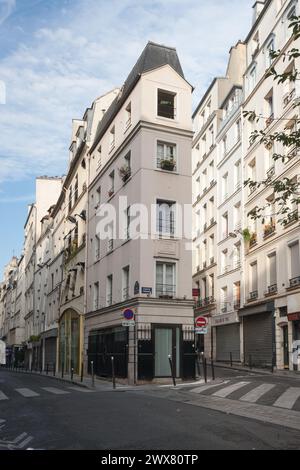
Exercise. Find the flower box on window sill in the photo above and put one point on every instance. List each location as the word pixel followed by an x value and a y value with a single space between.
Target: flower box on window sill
pixel 111 192
pixel 125 173
pixel 168 165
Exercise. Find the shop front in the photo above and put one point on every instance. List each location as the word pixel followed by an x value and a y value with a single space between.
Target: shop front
pixel 294 318
pixel 227 334
pixel 70 341
pixel 259 335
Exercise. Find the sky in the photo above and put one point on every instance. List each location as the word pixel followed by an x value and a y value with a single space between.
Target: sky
pixel 57 56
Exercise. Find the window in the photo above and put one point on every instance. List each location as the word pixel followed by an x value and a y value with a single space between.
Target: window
pixel 112 138
pixel 98 197
pixel 166 104
pixel 224 147
pixel 237 216
pixel 225 225
pixel 204 180
pixel 291 13
pixel 253 277
pixel 211 169
pixel 252 78
pixel 294 260
pixel 269 107
pixel 166 218
pixel 128 116
pixel 237 294
pixel 97 247
pixel 110 241
pixel 212 136
pixel 224 261
pixel 99 164
pixel 252 174
pixel 112 183
pixel 211 249
pixel 165 280
pixel 237 255
pixel 70 199
pixel 109 290
pixel 128 219
pixel 204 288
pixel 237 175
pixel 225 187
pixel 126 283
pixel 269 49
pixel 96 296
pixel 125 170
pixel 166 156
pixel 238 130
pixel 272 268
pixel 224 299
pixel 76 189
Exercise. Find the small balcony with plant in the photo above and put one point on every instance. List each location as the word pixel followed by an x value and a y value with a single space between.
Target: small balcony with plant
pixel 250 237
pixel 125 173
pixel 269 229
pixel 166 164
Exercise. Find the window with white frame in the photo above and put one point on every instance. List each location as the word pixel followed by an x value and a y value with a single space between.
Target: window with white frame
pixel 238 175
pixel 165 217
pixel 272 270
pixel 125 277
pixel 165 279
pixel 112 137
pixel 294 263
pixel 237 255
pixel 97 247
pixel 96 296
pixel 224 299
pixel 109 290
pixel 166 156
pixel 225 187
pixel 270 47
pixel 253 277
pixel 252 78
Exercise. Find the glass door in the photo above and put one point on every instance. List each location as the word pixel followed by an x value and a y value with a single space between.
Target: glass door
pixel 167 344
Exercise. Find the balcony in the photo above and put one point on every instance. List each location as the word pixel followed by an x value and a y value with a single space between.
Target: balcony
pixel 292 154
pixel 125 173
pixel 288 97
pixel 270 120
pixel 204 266
pixel 291 218
pixel 253 240
pixel 295 282
pixel 110 245
pixel 237 304
pixel 272 290
pixel 237 264
pixel 212 260
pixel 109 300
pixel 224 308
pixel 253 296
pixel 126 293
pixel 205 302
pixel 269 230
pixel 165 291
pixel 271 172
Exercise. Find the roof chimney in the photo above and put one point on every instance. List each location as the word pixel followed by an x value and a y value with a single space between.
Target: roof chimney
pixel 257 9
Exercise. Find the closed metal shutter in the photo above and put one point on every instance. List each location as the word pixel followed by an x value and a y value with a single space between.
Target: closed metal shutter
pixel 258 339
pixel 228 341
pixel 50 352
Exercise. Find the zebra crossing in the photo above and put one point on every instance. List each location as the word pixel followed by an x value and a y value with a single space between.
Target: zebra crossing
pixel 267 393
pixel 40 392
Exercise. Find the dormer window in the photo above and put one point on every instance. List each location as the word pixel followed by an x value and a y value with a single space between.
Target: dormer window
pixel 112 138
pixel 166 104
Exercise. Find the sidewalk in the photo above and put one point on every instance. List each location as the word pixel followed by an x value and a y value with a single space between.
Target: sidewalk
pixel 277 373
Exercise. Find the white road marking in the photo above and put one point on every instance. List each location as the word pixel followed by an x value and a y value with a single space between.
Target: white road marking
pixel 208 387
pixel 288 399
pixel 224 392
pixel 56 391
pixel 257 393
pixel 81 389
pixel 26 392
pixel 3 397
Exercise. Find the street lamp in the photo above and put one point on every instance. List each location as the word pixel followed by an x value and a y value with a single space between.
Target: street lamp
pixel 72 219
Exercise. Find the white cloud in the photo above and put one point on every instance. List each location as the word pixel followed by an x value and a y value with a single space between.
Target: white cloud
pixel 91 49
pixel 6 9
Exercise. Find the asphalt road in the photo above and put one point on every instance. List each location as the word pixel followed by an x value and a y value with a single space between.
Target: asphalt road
pixel 42 413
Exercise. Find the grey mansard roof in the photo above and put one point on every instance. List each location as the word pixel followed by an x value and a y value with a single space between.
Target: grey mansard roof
pixel 152 57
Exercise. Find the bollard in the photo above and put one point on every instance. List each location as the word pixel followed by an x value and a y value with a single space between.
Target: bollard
pixel 205 369
pixel 47 369
pixel 231 361
pixel 172 371
pixel 213 370
pixel 62 370
pixel 54 369
pixel 198 365
pixel 93 376
pixel 72 373
pixel 81 378
pixel 250 361
pixel 113 372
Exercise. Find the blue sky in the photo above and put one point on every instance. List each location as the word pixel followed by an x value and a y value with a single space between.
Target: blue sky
pixel 57 56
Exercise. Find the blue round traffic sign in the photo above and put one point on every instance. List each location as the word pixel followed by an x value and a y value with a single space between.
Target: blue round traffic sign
pixel 128 314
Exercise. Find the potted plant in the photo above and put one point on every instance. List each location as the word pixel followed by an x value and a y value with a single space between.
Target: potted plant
pixel 168 165
pixel 125 172
pixel 246 235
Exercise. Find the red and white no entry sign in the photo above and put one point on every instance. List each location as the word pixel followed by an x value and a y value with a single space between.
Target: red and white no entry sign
pixel 201 322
